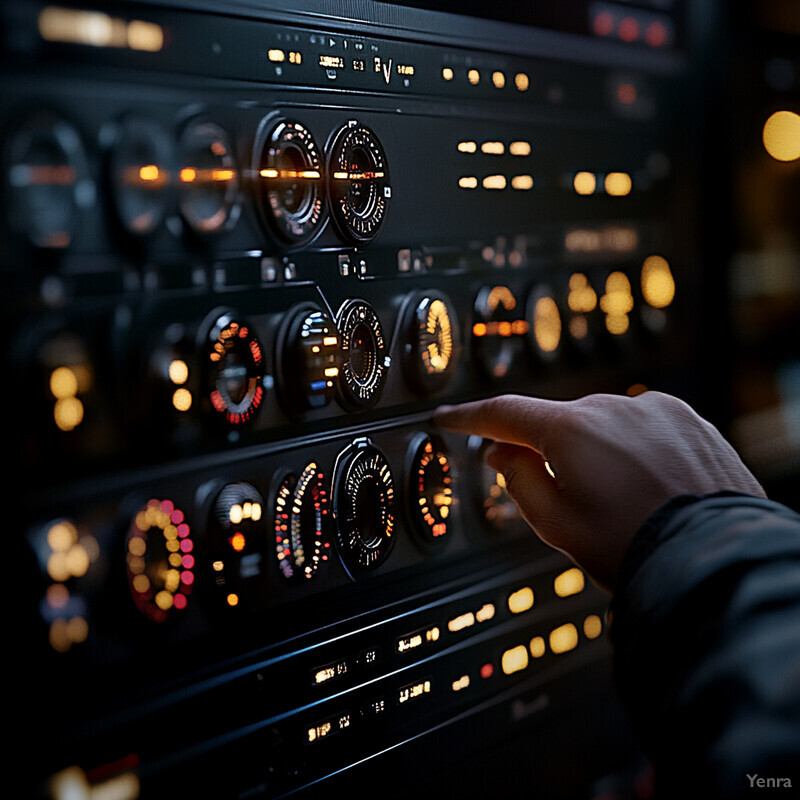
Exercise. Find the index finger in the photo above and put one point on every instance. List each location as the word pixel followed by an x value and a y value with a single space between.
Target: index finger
pixel 508 418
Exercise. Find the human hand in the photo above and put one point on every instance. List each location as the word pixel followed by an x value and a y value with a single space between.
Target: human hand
pixel 614 459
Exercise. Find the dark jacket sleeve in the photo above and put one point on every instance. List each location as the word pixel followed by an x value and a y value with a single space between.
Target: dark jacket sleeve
pixel 705 622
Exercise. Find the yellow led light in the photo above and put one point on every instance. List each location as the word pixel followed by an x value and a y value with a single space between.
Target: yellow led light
pixel 569 583
pixel 467 147
pixel 522 82
pixel 564 638
pixel 521 600
pixel 461 622
pixel 474 77
pixel 537 647
pixel 514 660
pixel 781 136
pixel 658 285
pixel 447 73
pixel 182 399
pixel 63 383
pixel 592 626
pixel 618 184
pixel 584 183
pixel 178 371
pixel 520 148
pixel 498 79
pixel 493 148
pixel 276 55
pixel 68 413
pixel 485 612
pixel 522 183
pixel 461 683
pixel 547 324
pixel 468 182
pixel 494 182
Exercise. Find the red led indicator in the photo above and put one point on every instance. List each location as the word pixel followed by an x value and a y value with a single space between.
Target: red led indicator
pixel 487 670
pixel 628 30
pixel 603 23
pixel 657 34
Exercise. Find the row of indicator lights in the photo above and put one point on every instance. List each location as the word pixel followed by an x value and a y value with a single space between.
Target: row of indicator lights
pixel 560 640
pixel 629 28
pixel 521 183
pixel 498 78
pixel 495 148
pixel 98 29
pixel 615 184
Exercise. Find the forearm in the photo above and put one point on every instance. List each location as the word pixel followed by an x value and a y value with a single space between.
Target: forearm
pixel 706 627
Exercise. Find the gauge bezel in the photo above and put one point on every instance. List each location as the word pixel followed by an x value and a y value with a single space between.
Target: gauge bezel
pixel 241 413
pixel 230 206
pixel 353 392
pixel 358 556
pixel 357 226
pixel 301 226
pixel 289 362
pixel 420 525
pixel 415 317
pixel 165 158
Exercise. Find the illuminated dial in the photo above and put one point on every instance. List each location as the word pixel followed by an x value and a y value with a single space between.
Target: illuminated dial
pixel 493 502
pixel 290 186
pixel 363 506
pixel 160 559
pixel 302 538
pixel 236 368
pixel 497 329
pixel 208 180
pixel 432 347
pixel 308 358
pixel 359 182
pixel 430 490
pixel 46 178
pixel 365 362
pixel 238 533
pixel 544 323
pixel 141 175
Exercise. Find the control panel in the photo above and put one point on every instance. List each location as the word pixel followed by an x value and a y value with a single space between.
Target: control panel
pixel 247 251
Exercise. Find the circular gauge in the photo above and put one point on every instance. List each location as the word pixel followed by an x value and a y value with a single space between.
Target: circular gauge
pixel 208 180
pixel 544 323
pixel 46 176
pixel 365 362
pixel 302 539
pixel 432 347
pixel 238 533
pixel 363 506
pixel 308 358
pixel 290 187
pixel 497 329
pixel 160 560
pixel 236 366
pixel 358 182
pixel 493 503
pixel 141 174
pixel 430 491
